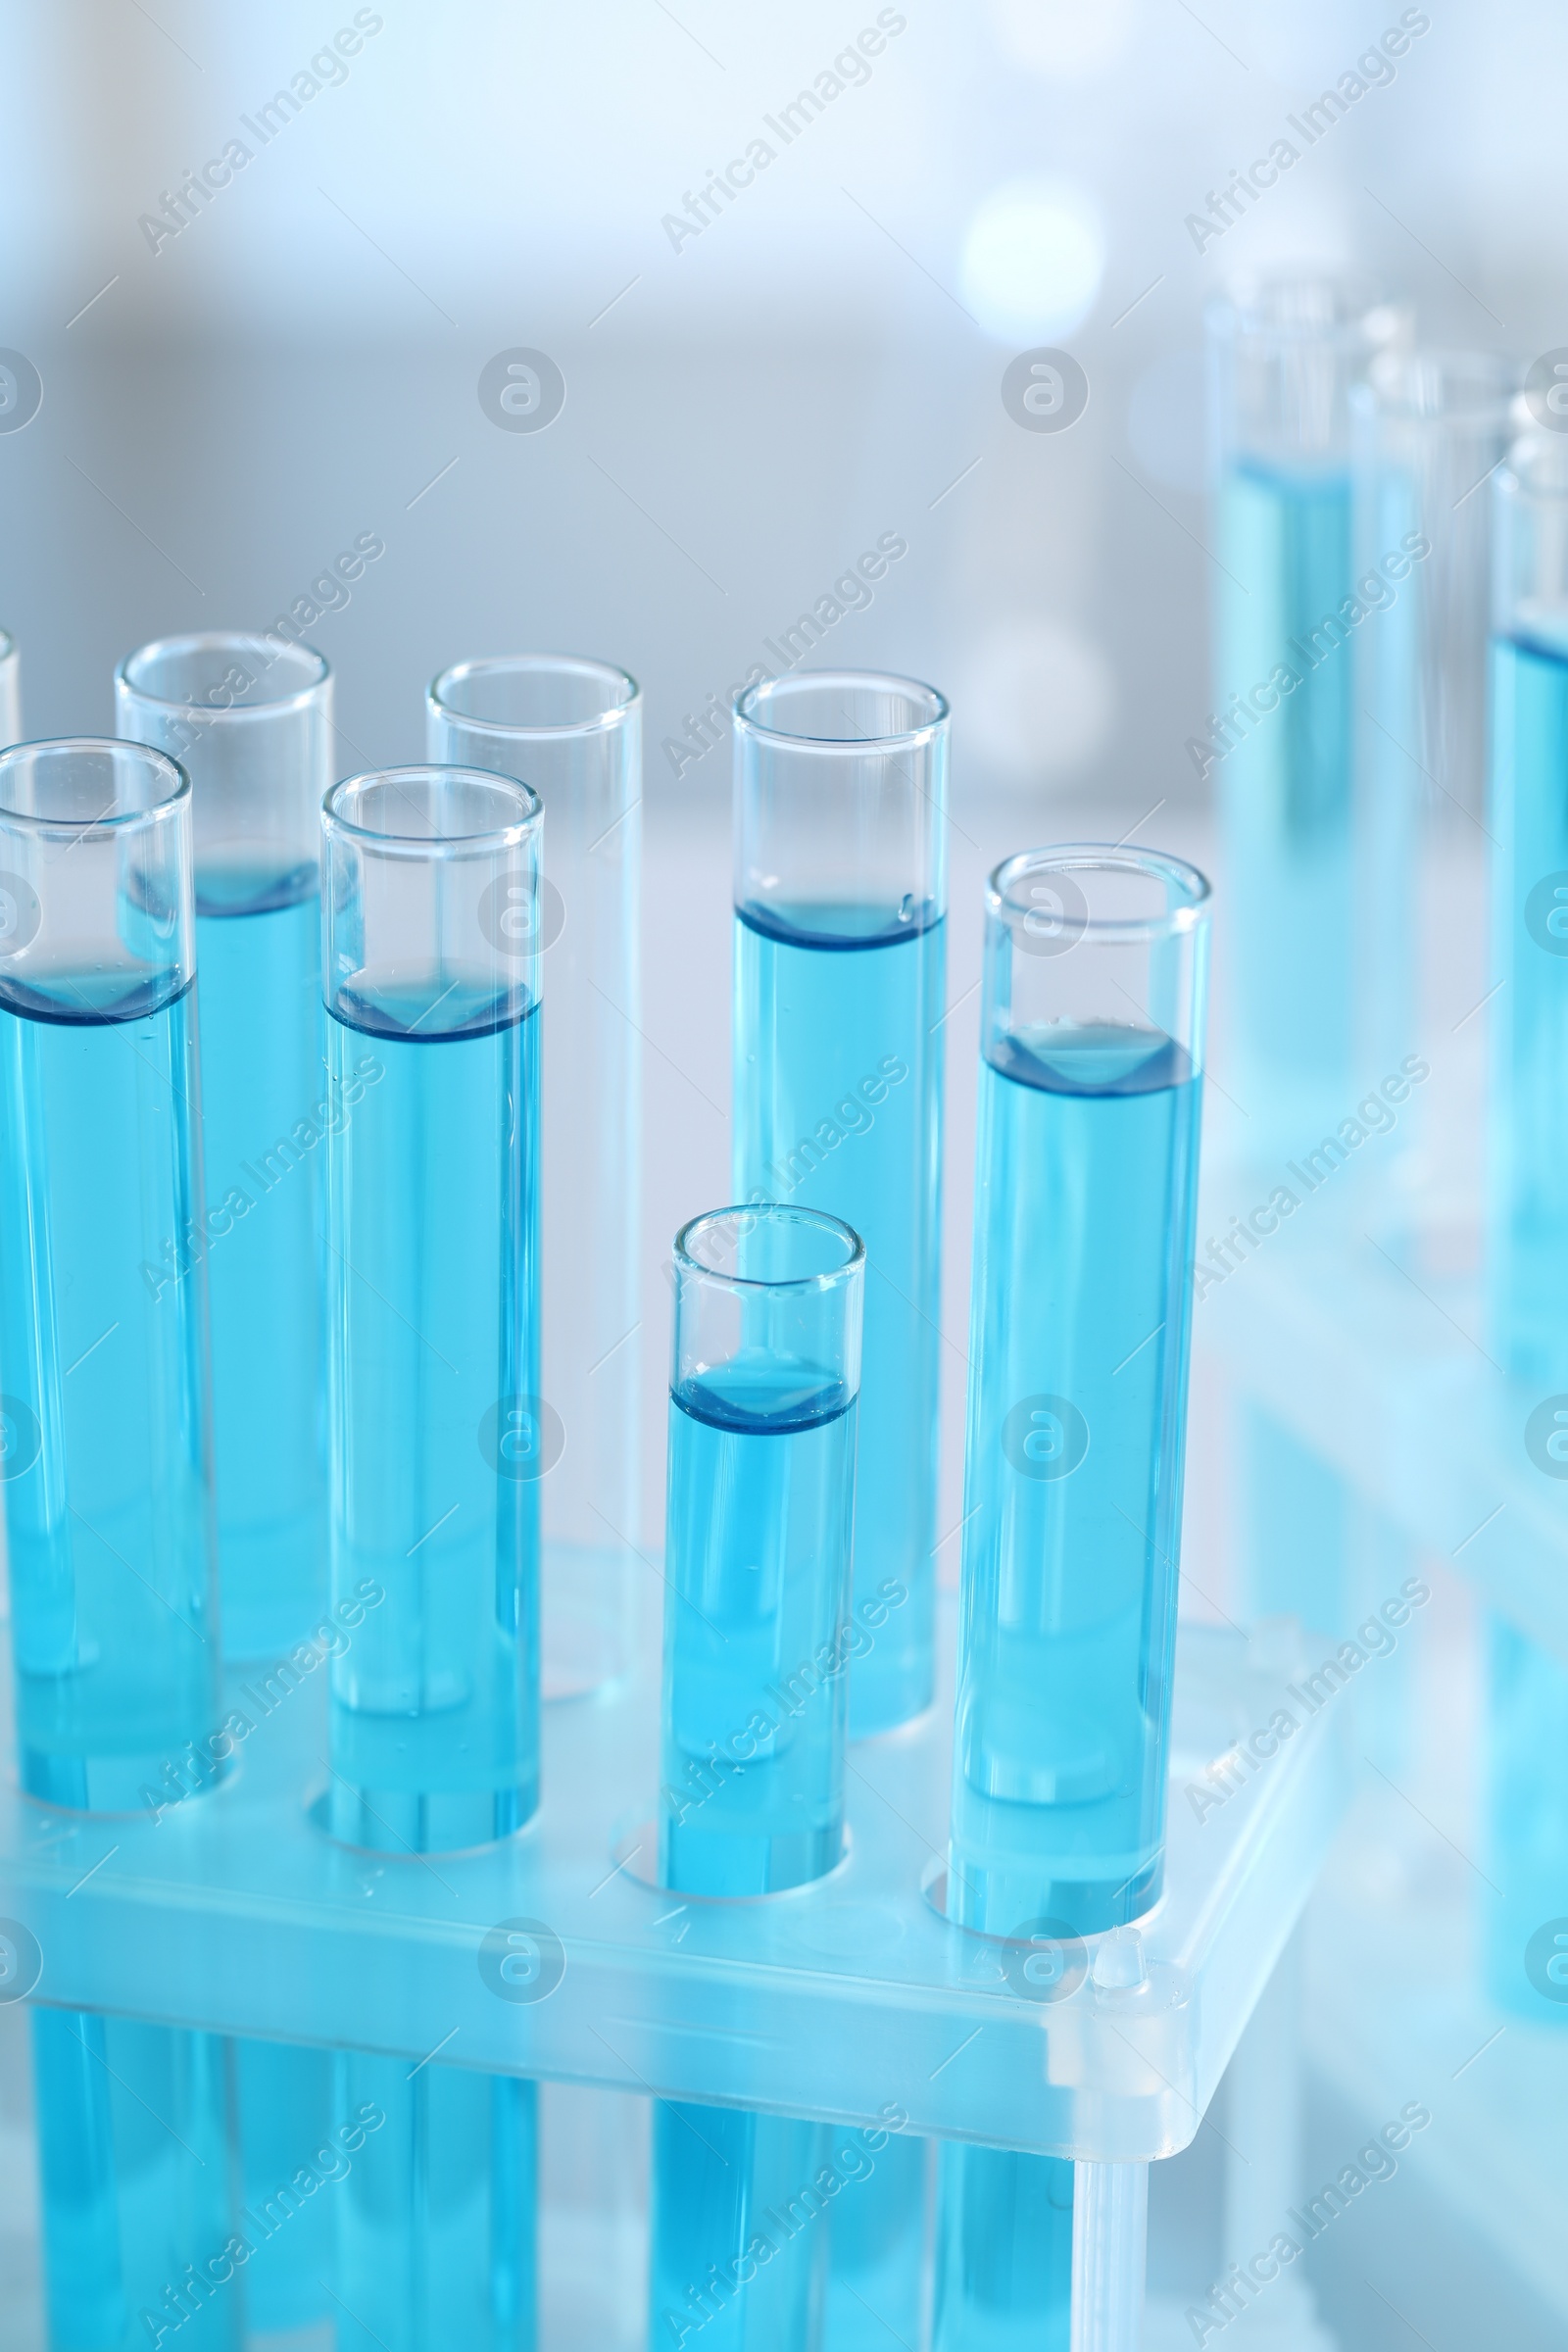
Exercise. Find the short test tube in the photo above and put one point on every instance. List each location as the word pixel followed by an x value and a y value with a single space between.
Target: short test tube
pixel 840 989
pixel 251 720
pixel 764 1375
pixel 572 729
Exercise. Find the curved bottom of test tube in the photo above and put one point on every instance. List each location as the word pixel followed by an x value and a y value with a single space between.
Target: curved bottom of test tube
pixel 424 1822
pixel 1008 1897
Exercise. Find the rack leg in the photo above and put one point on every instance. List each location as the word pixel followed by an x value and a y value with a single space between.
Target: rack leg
pixel 1109 2251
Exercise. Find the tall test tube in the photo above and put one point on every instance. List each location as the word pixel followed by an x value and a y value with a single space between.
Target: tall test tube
pixel 438 1437
pixel 1528 1175
pixel 572 729
pixel 765 1371
pixel 1092 1046
pixel 840 987
pixel 1281 737
pixel 1091 1030
pixel 251 720
pixel 104 1461
pixel 1428 427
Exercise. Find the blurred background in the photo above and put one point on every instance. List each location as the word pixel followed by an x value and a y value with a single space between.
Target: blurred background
pixel 775 334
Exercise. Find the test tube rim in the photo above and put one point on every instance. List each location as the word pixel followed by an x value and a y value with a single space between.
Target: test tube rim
pixel 840 746
pixel 1501 368
pixel 1077 857
pixel 157 811
pixel 425 847
pixel 614 714
pixel 219 714
pixel 1368 316
pixel 783 1212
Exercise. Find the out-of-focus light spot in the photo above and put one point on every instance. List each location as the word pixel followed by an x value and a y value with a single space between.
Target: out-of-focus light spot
pixel 1033 260
pixel 1037 704
pixel 1166 420
pixel 1063 39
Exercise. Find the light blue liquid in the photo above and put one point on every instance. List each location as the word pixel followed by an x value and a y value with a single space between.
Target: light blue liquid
pixel 1529 1174
pixel 762 1497
pixel 133 2159
pixel 1004 2251
pixel 435 2219
pixel 434 1352
pixel 286 2118
pixel 1524 1941
pixel 1285 793
pixel 740 2230
pixel 761 1485
pixel 876 2271
pixel 266 1111
pixel 1085 1201
pixel 103 1368
pixel 838 1106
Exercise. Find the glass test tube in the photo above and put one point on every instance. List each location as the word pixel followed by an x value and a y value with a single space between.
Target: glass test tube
pixel 1003 2270
pixel 839 988
pixel 1528 1175
pixel 572 729
pixel 107 1490
pixel 437 1436
pixel 10 690
pixel 1429 427
pixel 251 719
pixel 1280 739
pixel 1092 1048
pixel 765 1370
pixel 437 1440
pixel 103 1349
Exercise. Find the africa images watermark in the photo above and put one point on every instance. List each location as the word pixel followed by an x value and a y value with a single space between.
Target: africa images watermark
pixel 703 1777
pixel 773 2228
pixel 850 592
pixel 1244 2283
pixel 1373 1115
pixel 200 1763
pixel 329 1117
pixel 1247 1755
pixel 1310 651
pixel 1373 70
pixel 327 69
pixel 200 2285
pixel 849 69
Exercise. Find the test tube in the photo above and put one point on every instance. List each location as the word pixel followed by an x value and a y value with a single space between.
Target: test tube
pixel 108 1495
pixel 1280 740
pixel 840 989
pixel 438 1439
pixel 1429 427
pixel 1528 1173
pixel 1003 2272
pixel 765 1371
pixel 572 729
pixel 1092 1048
pixel 251 719
pixel 104 1463
pixel 10 690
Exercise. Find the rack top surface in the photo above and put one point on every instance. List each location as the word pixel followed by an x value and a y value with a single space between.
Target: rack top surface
pixel 845 1999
